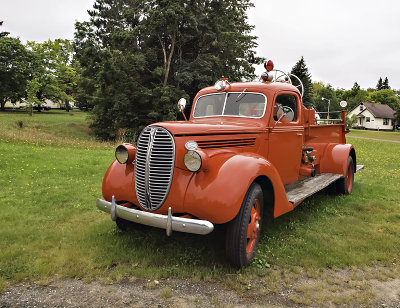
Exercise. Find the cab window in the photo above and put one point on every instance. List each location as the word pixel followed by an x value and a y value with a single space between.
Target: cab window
pixel 286 108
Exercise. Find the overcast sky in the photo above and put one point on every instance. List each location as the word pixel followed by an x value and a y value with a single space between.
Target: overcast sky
pixel 342 41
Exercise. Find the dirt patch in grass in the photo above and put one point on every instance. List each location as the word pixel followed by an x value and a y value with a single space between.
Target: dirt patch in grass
pixel 349 287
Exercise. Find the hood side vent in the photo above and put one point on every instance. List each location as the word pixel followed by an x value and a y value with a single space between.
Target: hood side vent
pixel 226 143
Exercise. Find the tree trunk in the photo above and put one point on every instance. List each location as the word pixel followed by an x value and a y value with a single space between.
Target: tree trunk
pixel 3 104
pixel 167 62
pixel 67 106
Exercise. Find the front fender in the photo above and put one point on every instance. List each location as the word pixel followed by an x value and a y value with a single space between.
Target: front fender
pixel 216 194
pixel 335 158
pixel 119 181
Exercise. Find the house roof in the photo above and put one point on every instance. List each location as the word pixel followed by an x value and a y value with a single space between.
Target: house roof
pixel 379 110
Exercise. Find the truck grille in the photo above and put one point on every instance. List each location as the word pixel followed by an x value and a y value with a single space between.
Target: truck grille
pixel 155 158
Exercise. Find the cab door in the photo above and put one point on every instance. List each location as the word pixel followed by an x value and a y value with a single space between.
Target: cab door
pixel 286 135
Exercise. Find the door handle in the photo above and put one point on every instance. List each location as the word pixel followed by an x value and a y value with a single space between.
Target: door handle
pixel 299 134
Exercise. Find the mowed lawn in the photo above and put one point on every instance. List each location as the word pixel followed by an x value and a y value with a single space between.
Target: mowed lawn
pixel 51 173
pixel 384 135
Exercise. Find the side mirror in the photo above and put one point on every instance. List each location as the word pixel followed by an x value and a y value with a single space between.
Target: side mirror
pixel 181 107
pixel 182 104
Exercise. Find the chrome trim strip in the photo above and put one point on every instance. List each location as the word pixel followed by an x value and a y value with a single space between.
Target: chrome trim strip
pixel 195 226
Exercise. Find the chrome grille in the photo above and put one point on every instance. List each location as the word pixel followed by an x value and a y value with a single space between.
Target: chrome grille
pixel 154 166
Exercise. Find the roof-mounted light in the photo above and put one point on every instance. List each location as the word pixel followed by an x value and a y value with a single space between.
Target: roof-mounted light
pixel 220 85
pixel 269 65
pixel 267 76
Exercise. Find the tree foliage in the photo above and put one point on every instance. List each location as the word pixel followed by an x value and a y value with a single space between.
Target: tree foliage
pixel 139 57
pixel 354 96
pixel 300 70
pixel 54 76
pixel 379 85
pixel 385 84
pixel 386 96
pixel 320 96
pixel 15 70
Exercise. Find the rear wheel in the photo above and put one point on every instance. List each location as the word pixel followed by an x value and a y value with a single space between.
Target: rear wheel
pixel 345 185
pixel 243 232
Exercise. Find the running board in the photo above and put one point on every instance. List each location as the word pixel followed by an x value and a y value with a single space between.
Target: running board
pixel 305 187
pixel 359 167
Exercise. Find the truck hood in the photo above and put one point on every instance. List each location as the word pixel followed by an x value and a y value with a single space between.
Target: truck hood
pixel 214 126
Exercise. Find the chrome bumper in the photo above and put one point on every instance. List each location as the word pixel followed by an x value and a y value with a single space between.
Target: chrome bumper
pixel 167 222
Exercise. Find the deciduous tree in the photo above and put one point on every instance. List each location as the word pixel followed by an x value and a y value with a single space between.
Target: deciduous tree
pixel 15 70
pixel 386 96
pixel 54 76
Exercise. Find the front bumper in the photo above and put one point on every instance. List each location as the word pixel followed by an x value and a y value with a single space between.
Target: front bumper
pixel 167 222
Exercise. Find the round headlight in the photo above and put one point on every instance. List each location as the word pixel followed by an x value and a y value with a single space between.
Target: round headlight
pixel 192 161
pixel 122 154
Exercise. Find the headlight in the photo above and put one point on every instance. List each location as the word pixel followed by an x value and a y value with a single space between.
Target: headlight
pixel 125 153
pixel 192 161
pixel 121 154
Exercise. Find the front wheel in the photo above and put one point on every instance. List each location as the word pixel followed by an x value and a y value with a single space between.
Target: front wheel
pixel 243 232
pixel 345 185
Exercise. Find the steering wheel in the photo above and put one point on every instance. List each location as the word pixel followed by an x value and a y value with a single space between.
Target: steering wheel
pixel 288 112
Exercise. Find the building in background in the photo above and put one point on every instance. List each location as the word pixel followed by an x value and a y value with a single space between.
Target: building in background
pixel 373 116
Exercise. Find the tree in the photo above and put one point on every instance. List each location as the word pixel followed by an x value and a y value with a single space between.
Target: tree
pixel 354 96
pixel 15 70
pixel 379 85
pixel 139 57
pixel 54 77
pixel 396 119
pixel 3 34
pixel 386 96
pixel 321 93
pixel 300 70
pixel 385 84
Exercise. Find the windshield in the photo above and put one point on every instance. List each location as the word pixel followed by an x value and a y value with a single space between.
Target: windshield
pixel 233 104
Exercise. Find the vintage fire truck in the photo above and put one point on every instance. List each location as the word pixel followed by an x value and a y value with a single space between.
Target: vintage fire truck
pixel 247 146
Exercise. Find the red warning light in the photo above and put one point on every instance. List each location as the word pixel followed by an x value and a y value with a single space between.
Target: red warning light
pixel 269 66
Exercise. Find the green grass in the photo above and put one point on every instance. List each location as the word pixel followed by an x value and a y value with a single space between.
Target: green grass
pixel 51 173
pixel 395 135
pixel 336 231
pixel 54 127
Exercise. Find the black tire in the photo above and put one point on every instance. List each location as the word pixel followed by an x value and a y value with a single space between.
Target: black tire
pixel 243 232
pixel 345 185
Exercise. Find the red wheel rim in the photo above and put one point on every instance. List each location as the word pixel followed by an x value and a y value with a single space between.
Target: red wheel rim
pixel 254 227
pixel 349 178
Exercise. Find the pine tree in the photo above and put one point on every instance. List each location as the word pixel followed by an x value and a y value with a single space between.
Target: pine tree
pixel 385 84
pixel 3 34
pixel 139 57
pixel 379 85
pixel 300 70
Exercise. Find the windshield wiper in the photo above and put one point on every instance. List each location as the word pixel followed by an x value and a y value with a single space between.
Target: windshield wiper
pixel 241 93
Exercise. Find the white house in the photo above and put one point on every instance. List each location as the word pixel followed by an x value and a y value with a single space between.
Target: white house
pixel 373 116
pixel 49 103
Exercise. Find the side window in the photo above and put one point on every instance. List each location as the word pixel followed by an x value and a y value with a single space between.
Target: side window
pixel 288 104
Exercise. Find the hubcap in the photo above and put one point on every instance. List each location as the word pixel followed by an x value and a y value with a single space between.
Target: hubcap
pixel 254 226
